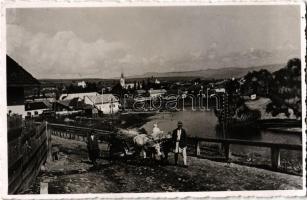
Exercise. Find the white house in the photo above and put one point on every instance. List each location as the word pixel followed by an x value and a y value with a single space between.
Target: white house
pixel 220 90
pixel 81 96
pixel 129 85
pixel 156 93
pixel 82 84
pixel 157 81
pixel 106 103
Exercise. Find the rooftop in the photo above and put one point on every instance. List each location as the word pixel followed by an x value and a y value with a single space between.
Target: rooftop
pixel 17 75
pixel 77 95
pixel 104 98
pixel 37 105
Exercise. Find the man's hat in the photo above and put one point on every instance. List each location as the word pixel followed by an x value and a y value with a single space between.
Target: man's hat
pixel 179 122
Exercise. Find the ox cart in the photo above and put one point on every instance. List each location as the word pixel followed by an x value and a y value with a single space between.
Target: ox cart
pixel 130 146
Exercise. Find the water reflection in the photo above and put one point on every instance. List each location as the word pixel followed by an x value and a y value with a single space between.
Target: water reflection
pixel 241 133
pixel 205 124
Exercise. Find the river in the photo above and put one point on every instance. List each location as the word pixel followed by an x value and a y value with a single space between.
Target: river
pixel 203 124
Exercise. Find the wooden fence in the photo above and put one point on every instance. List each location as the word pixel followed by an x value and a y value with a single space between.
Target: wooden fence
pixel 275 147
pixel 75 132
pixel 28 144
pixel 80 133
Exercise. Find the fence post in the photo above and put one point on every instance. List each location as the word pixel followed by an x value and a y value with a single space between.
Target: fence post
pixel 48 140
pixel 275 157
pixel 197 148
pixel 226 148
pixel 43 188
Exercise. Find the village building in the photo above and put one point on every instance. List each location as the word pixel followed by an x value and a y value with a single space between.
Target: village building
pixel 80 96
pixel 65 105
pixel 81 84
pixel 130 86
pixel 157 81
pixel 105 103
pixel 18 79
pixel 72 106
pixel 134 85
pixel 140 92
pixel 51 97
pixel 156 93
pixel 220 90
pixel 37 107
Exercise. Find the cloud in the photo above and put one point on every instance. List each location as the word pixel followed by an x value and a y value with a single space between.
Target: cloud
pixel 63 54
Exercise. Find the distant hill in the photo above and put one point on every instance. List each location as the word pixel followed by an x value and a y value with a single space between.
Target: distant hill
pixel 212 73
pixel 204 74
pixel 67 82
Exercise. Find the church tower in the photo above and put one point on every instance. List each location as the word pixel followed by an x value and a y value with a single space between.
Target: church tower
pixel 122 80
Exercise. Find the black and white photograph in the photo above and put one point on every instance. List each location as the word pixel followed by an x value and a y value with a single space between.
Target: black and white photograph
pixel 155 99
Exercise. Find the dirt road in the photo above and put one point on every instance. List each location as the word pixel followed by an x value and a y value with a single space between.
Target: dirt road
pixel 74 174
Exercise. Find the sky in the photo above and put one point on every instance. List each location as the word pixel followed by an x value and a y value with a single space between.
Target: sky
pixel 103 42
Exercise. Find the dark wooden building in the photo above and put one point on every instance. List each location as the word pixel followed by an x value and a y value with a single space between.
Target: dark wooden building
pixel 18 79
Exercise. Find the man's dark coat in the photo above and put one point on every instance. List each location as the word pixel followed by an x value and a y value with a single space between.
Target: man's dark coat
pixel 93 148
pixel 183 138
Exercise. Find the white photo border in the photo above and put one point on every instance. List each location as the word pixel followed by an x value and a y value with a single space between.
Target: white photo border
pixel 134 3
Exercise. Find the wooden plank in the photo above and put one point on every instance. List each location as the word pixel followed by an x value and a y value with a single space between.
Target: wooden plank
pixel 15 170
pixel 74 128
pixel 280 123
pixel 32 169
pixel 14 152
pixel 14 185
pixel 13 134
pixel 29 167
pixel 14 121
pixel 24 168
pixel 251 143
pixel 40 131
pixel 32 156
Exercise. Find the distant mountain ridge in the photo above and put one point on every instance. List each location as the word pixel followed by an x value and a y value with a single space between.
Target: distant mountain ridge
pixel 221 73
pixel 212 73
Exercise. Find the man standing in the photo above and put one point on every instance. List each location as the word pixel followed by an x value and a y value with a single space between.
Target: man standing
pixel 179 139
pixel 93 148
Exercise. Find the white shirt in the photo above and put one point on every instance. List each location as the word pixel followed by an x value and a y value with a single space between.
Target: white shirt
pixel 177 149
pixel 178 134
pixel 92 136
pixel 155 133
